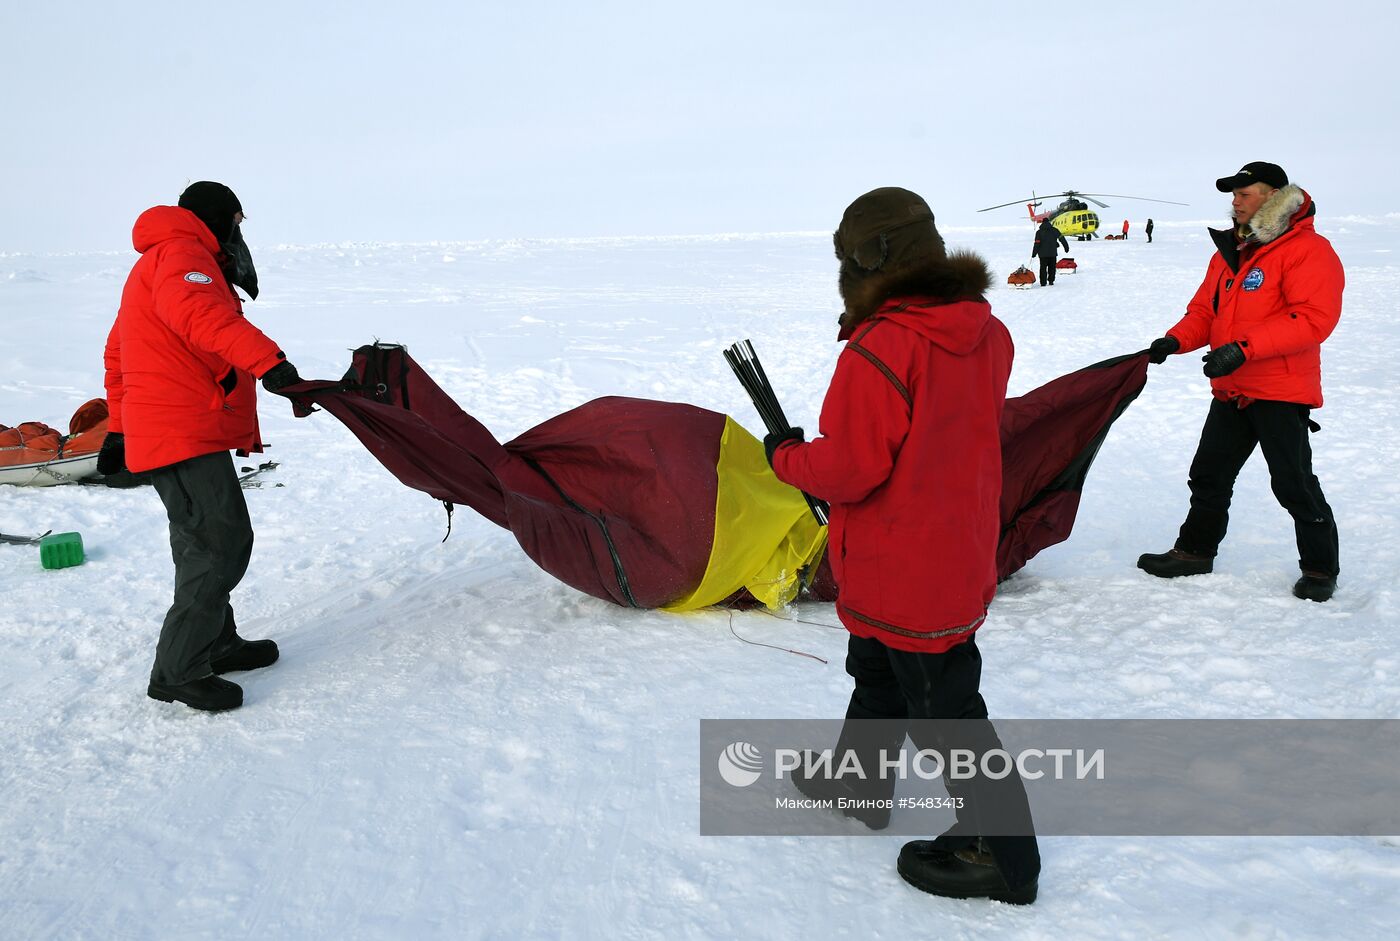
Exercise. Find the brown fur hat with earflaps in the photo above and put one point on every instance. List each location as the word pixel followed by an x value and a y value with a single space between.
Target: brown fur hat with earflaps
pixel 888 247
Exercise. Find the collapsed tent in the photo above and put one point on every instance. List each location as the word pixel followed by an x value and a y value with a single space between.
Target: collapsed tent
pixel 1049 438
pixel 646 504
pixel 655 504
pixel 34 455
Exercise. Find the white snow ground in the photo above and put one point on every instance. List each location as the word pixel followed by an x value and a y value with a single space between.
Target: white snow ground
pixel 456 745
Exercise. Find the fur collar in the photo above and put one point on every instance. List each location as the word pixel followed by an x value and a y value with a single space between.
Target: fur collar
pixel 1273 217
pixel 961 276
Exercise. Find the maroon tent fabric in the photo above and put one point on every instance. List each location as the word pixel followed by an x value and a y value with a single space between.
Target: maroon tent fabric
pixel 616 497
pixel 1049 438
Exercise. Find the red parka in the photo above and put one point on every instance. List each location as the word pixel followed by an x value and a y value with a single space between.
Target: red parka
pixel 910 459
pixel 181 359
pixel 1279 301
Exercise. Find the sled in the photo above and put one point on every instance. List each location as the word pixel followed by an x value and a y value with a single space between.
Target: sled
pixel 34 455
pixel 58 470
pixel 1067 264
pixel 1021 278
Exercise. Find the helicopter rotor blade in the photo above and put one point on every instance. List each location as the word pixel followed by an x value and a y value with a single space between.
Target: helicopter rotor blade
pixel 1021 202
pixel 1014 202
pixel 1143 198
pixel 1074 194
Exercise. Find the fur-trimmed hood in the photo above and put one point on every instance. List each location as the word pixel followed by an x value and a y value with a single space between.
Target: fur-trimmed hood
pixel 1276 215
pixel 1288 209
pixel 960 276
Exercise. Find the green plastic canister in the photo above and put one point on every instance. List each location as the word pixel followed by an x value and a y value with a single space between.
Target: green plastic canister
pixel 60 550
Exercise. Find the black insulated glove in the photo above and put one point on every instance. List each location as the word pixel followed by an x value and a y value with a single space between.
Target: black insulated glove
pixel 112 458
pixel 1161 348
pixel 280 376
pixel 1223 361
pixel 773 442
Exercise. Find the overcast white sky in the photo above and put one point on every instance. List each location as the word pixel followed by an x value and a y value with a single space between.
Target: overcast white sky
pixel 415 121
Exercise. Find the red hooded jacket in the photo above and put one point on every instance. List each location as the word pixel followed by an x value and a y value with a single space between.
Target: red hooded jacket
pixel 910 459
pixel 1279 300
pixel 181 359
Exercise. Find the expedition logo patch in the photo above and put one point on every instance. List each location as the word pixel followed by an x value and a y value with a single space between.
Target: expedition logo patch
pixel 196 277
pixel 1254 280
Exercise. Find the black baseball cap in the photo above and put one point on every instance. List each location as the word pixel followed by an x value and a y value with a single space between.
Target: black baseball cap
pixel 1256 172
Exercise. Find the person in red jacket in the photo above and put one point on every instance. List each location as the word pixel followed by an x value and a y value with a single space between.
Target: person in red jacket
pixel 180 366
pixel 909 458
pixel 1272 294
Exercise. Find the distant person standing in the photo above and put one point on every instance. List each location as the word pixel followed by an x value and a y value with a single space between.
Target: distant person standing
pixel 1149 231
pixel 1046 248
pixel 180 362
pixel 1125 228
pixel 1271 296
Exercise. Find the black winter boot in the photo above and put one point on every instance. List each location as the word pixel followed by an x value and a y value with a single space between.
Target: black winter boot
pixel 969 873
pixel 245 655
pixel 209 693
pixel 1314 586
pixel 1173 563
pixel 822 788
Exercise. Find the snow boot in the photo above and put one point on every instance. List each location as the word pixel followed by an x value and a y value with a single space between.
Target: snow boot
pixel 1314 586
pixel 836 789
pixel 209 693
pixel 969 873
pixel 1174 563
pixel 245 655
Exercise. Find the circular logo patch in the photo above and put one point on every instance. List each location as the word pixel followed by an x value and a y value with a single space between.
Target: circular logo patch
pixel 196 277
pixel 1254 280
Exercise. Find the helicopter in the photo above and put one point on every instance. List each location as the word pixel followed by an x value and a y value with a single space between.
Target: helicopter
pixel 1073 216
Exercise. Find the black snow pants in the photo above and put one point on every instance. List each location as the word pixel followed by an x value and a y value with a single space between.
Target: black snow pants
pixel 211 540
pixel 1280 429
pixel 1047 270
pixel 897 686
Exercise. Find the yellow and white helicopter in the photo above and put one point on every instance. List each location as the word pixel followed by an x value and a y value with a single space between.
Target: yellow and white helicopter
pixel 1073 217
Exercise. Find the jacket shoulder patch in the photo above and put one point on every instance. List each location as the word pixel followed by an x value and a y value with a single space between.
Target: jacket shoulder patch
pixel 198 277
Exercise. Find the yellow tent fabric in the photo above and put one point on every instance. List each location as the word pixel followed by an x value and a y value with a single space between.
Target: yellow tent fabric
pixel 765 534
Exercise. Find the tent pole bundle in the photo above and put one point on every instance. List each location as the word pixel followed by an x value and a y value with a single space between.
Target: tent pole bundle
pixel 749 371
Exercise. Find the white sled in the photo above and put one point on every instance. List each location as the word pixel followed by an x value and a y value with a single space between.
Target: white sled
pixel 60 470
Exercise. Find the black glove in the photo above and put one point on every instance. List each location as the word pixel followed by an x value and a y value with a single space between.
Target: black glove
pixel 1161 348
pixel 1223 360
pixel 772 442
pixel 280 376
pixel 112 458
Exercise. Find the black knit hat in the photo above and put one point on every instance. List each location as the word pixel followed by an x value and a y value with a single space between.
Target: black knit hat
pixel 886 229
pixel 214 204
